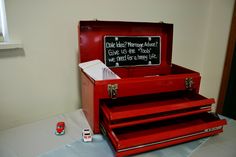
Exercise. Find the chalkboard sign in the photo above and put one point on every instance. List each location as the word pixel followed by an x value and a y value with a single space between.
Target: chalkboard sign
pixel 121 51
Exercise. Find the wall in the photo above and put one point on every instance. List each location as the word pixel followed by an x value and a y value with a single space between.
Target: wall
pixel 217 29
pixel 41 80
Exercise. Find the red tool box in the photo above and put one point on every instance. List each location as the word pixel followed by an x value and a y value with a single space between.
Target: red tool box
pixel 155 103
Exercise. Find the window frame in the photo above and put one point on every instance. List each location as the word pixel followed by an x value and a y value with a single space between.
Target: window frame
pixel 3 22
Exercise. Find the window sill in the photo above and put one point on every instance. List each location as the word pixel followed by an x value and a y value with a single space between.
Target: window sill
pixel 10 45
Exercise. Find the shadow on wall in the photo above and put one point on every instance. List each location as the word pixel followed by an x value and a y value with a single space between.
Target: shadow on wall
pixel 7 53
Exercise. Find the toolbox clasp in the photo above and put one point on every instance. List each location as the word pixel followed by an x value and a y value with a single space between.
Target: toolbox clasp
pixel 189 83
pixel 112 90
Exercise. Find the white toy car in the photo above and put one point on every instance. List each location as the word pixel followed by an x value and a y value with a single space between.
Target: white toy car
pixel 86 134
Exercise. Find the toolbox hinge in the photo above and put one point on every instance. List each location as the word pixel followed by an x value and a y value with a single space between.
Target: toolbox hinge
pixel 112 90
pixel 189 83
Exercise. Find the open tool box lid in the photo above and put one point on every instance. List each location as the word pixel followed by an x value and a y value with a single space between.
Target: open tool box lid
pixel 130 49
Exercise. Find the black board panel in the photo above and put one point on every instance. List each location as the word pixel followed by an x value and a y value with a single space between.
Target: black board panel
pixel 122 51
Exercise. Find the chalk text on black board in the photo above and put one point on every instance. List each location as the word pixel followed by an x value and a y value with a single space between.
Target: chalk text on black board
pixel 132 50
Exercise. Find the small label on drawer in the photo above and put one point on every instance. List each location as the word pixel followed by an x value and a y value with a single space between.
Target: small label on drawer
pixel 213 129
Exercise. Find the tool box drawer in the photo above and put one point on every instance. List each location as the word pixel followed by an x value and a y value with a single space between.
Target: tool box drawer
pixel 148 136
pixel 147 108
pixel 129 107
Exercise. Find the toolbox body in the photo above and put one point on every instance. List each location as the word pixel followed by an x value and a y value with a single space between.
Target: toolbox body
pixel 155 103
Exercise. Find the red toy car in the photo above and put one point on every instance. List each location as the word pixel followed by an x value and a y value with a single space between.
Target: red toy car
pixel 60 129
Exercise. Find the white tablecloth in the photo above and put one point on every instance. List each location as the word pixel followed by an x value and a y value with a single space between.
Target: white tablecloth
pixel 38 139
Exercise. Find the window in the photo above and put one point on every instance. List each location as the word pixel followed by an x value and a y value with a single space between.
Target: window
pixel 3 23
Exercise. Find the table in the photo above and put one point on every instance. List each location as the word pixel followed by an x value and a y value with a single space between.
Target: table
pixel 38 139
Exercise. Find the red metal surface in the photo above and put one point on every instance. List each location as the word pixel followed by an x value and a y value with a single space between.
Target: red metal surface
pixel 143 134
pixel 91 35
pixel 88 105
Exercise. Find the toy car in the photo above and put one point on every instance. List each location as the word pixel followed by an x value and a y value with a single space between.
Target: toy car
pixel 60 128
pixel 86 134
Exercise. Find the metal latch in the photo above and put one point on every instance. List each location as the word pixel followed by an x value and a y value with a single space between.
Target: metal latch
pixel 189 83
pixel 112 90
